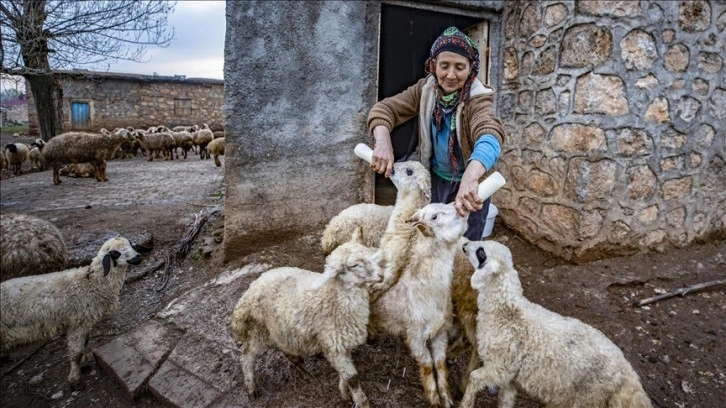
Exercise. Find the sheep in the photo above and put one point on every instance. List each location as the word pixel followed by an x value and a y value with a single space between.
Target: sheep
pixel 559 360
pixel 29 245
pixel 42 307
pixel 218 133
pixel 302 312
pixel 413 185
pixel 417 307
pixel 2 161
pixel 216 149
pixel 184 140
pixel 76 170
pixel 80 147
pixel 156 142
pixel 36 155
pixel 16 154
pixel 202 137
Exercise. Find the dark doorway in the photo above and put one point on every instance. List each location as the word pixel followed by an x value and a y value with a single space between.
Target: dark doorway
pixel 406 37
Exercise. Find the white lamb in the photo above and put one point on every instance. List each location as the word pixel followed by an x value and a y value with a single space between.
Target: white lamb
pixel 303 313
pixel 418 305
pixel 42 307
pixel 559 360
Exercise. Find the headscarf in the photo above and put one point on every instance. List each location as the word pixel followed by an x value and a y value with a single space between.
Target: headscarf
pixel 452 40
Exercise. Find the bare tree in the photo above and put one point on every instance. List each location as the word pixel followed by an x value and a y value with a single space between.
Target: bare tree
pixel 39 36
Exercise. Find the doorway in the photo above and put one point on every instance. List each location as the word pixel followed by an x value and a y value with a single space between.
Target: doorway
pixel 406 37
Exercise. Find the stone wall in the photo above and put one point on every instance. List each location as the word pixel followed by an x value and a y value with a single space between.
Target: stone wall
pixel 615 114
pixel 140 101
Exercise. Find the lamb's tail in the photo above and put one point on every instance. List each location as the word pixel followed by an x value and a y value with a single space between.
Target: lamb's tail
pixel 630 395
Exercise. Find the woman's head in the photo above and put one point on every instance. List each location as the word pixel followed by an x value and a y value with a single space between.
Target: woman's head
pixel 454 60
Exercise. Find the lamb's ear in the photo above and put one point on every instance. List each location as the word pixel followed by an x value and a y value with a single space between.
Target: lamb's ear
pixel 329 272
pixel 481 256
pixel 106 264
pixel 357 235
pixel 140 248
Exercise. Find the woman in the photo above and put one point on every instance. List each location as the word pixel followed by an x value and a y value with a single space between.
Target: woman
pixel 460 138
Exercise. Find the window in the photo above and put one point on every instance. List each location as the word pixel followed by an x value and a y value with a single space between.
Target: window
pixel 182 107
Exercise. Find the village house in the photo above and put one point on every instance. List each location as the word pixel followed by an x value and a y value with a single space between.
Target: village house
pixel 94 100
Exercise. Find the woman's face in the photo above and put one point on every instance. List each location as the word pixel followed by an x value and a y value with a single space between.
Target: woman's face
pixel 451 71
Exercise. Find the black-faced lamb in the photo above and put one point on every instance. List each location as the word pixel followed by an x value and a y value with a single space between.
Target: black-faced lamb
pixel 216 149
pixel 304 313
pixel 558 360
pixel 417 307
pixel 36 155
pixel 16 154
pixel 29 246
pixel 80 147
pixel 42 307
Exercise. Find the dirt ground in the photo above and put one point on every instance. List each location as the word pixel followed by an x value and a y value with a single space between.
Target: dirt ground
pixel 676 345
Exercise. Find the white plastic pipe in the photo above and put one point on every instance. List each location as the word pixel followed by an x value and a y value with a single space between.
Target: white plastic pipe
pixel 364 152
pixel 490 185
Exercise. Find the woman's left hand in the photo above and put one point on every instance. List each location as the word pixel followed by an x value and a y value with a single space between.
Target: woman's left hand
pixel 467 198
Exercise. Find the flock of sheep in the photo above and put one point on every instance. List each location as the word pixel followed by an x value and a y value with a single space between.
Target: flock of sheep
pixel 84 154
pixel 403 270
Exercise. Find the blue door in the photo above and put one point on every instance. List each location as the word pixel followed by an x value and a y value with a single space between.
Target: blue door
pixel 80 114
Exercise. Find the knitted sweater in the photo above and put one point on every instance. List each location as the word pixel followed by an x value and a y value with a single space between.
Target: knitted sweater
pixel 474 117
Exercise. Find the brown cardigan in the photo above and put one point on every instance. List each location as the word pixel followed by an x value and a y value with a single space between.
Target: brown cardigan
pixel 475 117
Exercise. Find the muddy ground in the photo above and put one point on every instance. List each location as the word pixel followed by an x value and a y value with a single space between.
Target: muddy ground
pixel 676 345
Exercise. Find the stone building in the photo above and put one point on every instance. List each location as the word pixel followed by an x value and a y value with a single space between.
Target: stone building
pixel 14 110
pixel 615 113
pixel 95 100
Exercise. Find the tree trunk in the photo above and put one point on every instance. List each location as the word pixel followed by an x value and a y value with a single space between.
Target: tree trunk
pixel 47 95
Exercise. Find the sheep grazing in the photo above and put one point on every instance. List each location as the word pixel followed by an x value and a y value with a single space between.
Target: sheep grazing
pixel 559 360
pixel 80 147
pixel 29 246
pixel 16 154
pixel 42 307
pixel 418 305
pixel 216 149
pixel 202 137
pixel 304 313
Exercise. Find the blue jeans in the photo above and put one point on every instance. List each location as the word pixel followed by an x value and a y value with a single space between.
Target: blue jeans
pixel 444 191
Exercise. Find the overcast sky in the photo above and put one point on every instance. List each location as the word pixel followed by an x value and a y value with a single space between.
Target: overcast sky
pixel 197 49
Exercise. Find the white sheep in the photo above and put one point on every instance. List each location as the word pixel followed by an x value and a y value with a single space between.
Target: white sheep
pixel 558 360
pixel 215 148
pixel 184 140
pixel 304 313
pixel 81 147
pixel 417 307
pixel 16 154
pixel 42 307
pixel 202 137
pixel 36 155
pixel 373 218
pixel 29 246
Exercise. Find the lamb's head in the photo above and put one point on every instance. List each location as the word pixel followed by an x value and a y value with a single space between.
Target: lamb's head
pixel 354 264
pixel 119 251
pixel 411 176
pixel 440 221
pixel 492 262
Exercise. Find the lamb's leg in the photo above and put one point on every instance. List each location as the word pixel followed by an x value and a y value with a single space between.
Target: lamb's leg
pixel 56 174
pixel 417 345
pixel 76 347
pixel 507 395
pixel 483 377
pixel 348 382
pixel 439 345
pixel 474 363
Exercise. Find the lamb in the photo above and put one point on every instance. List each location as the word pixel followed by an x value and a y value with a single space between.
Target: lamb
pixel 80 147
pixel 36 155
pixel 417 307
pixel 42 307
pixel 302 312
pixel 78 170
pixel 202 137
pixel 29 245
pixel 216 149
pixel 16 154
pixel 559 360
pixel 413 185
pixel 184 140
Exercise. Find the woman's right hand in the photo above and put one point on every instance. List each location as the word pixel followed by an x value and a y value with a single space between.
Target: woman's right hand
pixel 382 158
